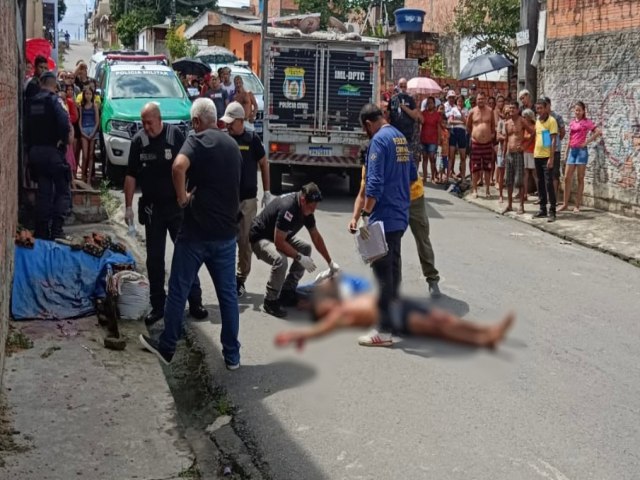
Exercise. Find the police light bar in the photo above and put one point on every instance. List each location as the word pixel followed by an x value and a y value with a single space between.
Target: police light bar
pixel 158 59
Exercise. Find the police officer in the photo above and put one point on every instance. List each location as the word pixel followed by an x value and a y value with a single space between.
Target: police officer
pixel 47 138
pixel 273 240
pixel 151 155
pixel 253 156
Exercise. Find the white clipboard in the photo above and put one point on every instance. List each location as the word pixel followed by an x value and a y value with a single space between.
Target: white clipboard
pixel 374 247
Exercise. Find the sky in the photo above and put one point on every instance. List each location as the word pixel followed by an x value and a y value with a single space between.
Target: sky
pixel 73 21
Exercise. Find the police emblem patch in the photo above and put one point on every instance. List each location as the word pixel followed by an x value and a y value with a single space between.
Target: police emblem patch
pixel 288 216
pixel 167 154
pixel 373 156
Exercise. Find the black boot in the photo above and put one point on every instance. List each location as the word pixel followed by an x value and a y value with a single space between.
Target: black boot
pixel 198 312
pixel 42 231
pixel 153 316
pixel 273 307
pixel 288 298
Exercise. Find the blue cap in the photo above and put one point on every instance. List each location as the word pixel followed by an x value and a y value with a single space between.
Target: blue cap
pixel 47 75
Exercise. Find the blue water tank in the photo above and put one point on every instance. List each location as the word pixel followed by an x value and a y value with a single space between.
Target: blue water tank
pixel 409 19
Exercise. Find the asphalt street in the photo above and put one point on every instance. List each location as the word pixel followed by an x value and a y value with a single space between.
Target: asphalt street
pixel 558 400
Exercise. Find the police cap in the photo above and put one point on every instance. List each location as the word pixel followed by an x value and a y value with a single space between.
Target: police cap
pixel 46 76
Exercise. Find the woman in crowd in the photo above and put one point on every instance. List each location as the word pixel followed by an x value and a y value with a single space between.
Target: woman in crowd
pixel 458 140
pixel 89 122
pixel 429 135
pixel 444 145
pixel 74 114
pixel 81 74
pixel 577 153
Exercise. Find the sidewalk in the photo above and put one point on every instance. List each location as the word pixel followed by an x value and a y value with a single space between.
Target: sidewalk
pixel 78 410
pixel 607 232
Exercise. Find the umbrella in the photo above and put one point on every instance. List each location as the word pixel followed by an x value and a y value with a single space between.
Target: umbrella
pixel 484 64
pixel 423 86
pixel 191 66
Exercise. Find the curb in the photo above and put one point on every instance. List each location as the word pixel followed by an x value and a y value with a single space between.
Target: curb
pixel 626 258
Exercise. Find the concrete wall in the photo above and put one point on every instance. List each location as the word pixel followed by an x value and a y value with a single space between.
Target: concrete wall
pixel 593 54
pixel 9 94
pixel 439 13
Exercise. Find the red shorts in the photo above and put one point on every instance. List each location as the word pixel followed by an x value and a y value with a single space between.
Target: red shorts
pixel 481 156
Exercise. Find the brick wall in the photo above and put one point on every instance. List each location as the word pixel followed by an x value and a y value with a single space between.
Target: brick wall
pixel 9 95
pixel 602 69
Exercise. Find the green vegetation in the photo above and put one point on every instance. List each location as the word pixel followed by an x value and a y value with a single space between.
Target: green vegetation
pixel 16 341
pixel 436 66
pixel 178 46
pixel 109 201
pixel 341 8
pixel 493 23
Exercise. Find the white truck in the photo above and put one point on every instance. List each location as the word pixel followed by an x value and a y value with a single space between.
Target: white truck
pixel 316 87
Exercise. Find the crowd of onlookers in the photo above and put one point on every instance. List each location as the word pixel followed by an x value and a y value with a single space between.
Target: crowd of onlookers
pixel 439 130
pixel 79 98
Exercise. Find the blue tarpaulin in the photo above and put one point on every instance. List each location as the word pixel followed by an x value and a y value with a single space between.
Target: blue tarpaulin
pixel 53 282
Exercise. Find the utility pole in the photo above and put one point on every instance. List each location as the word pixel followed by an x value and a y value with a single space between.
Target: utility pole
pixel 527 73
pixel 264 58
pixel 173 14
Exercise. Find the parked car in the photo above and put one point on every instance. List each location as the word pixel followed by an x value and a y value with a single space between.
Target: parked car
pixel 127 85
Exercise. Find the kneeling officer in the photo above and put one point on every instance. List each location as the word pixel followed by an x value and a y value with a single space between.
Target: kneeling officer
pixel 47 137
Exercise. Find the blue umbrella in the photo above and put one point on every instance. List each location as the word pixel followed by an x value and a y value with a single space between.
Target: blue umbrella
pixel 489 62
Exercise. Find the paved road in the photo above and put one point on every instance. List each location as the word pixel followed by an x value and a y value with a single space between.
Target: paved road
pixel 77 51
pixel 559 400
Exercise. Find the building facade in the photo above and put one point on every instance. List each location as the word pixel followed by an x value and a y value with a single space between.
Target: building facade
pixel 592 54
pixel 10 95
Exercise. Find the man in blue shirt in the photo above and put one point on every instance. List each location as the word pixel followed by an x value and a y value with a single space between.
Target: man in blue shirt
pixel 389 170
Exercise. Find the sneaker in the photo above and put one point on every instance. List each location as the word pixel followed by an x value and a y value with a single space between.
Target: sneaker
pixel 540 214
pixel 240 288
pixel 552 217
pixel 434 289
pixel 376 339
pixel 152 346
pixel 288 298
pixel 273 307
pixel 198 312
pixel 232 366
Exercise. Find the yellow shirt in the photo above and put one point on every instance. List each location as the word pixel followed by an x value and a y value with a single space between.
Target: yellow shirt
pixel 96 99
pixel 416 190
pixel 551 125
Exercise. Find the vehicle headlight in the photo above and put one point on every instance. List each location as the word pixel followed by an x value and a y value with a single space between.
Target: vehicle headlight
pixel 121 128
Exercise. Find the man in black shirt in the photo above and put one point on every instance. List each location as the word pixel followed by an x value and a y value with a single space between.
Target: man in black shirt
pixel 253 156
pixel 208 233
pixel 273 239
pixel 33 87
pixel 151 156
pixel 402 111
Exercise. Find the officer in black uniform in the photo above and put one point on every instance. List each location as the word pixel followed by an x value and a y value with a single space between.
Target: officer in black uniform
pixel 253 157
pixel 273 240
pixel 151 155
pixel 47 131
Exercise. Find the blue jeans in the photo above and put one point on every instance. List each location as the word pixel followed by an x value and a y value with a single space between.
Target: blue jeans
pixel 219 256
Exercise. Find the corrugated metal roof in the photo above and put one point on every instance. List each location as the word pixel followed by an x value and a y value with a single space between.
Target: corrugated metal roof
pixel 279 32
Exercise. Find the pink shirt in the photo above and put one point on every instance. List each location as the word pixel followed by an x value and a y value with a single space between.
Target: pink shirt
pixel 578 131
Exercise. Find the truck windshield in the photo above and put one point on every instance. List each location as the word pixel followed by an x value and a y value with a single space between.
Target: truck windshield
pixel 144 84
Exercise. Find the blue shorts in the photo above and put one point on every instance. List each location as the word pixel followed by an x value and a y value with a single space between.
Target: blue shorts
pixel 458 138
pixel 578 156
pixel 429 147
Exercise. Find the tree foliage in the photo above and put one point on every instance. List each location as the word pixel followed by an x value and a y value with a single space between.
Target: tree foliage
pixel 130 24
pixel 62 9
pixel 436 66
pixel 341 8
pixel 187 8
pixel 493 23
pixel 178 46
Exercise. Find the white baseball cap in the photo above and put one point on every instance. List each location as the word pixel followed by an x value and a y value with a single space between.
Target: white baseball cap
pixel 234 111
pixel 451 93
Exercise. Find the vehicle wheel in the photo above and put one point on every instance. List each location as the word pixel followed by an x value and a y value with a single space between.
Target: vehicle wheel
pixel 275 176
pixel 355 178
pixel 114 173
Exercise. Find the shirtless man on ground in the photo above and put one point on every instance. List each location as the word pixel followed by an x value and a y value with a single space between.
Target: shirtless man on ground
pixel 408 317
pixel 481 125
pixel 248 101
pixel 515 127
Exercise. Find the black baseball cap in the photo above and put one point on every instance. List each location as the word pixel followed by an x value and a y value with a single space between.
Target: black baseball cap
pixel 47 75
pixel 311 192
